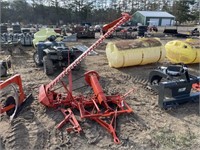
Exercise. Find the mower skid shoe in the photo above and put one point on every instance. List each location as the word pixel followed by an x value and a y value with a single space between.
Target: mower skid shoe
pixel 27 102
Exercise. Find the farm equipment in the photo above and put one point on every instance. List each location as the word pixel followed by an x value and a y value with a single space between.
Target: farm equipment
pixel 84 31
pixel 24 39
pixel 174 85
pixel 3 28
pixel 5 64
pixel 43 35
pixel 142 30
pixel 99 107
pixel 16 28
pixel 174 32
pixel 52 54
pixel 152 28
pixel 107 27
pixel 13 104
pixel 194 32
pixel 70 38
pixel 171 31
pixel 126 33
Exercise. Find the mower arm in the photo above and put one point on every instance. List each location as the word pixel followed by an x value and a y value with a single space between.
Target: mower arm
pixel 106 27
pixel 45 94
pixel 125 17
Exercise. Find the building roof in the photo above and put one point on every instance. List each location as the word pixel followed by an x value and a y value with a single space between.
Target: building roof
pixel 155 14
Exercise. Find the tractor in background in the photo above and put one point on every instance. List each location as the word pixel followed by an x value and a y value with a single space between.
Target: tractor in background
pixel 52 54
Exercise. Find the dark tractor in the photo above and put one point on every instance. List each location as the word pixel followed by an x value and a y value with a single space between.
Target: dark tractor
pixel 53 55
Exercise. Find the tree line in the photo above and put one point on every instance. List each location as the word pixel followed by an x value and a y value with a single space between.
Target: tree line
pixel 58 12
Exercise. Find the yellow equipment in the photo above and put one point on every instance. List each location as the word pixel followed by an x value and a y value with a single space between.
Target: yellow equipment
pixel 187 52
pixel 134 52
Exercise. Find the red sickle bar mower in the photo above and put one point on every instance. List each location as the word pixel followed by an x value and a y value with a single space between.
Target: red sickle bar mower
pixel 14 104
pixel 98 107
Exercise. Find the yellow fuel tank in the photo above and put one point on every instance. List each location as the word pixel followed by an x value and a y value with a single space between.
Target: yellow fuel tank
pixel 186 52
pixel 134 52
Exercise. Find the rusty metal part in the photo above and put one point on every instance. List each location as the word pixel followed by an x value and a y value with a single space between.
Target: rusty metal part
pixel 6 108
pixel 16 79
pixel 109 26
pixel 98 107
pixel 69 117
pixel 196 86
pixel 14 105
pixel 101 106
pixel 110 127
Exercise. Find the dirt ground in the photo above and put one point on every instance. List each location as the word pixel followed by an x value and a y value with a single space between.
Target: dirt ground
pixel 148 127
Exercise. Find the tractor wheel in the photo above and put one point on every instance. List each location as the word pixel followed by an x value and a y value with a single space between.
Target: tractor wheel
pixel 3 71
pixel 48 66
pixel 36 59
pixel 9 101
pixel 156 80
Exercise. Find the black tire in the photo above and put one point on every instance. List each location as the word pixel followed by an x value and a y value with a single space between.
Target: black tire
pixel 156 80
pixel 36 59
pixel 48 66
pixel 3 71
pixel 9 101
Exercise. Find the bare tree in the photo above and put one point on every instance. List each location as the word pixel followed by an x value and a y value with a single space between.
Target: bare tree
pixel 98 11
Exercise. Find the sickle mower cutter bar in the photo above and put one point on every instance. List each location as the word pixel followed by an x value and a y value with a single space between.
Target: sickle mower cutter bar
pixel 98 107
